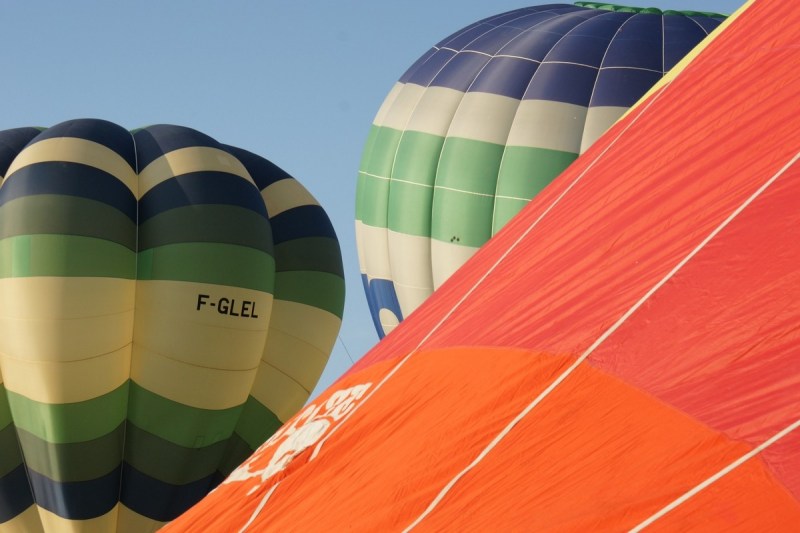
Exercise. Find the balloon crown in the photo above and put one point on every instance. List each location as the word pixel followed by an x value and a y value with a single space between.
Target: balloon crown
pixel 650 10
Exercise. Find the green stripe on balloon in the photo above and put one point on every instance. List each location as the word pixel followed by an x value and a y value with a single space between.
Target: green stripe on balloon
pixel 166 461
pixel 70 422
pixel 66 215
pixel 65 256
pixel 316 289
pixel 208 263
pixel 74 461
pixel 319 254
pixel 207 223
pixel 256 423
pixel 10 458
pixel 187 426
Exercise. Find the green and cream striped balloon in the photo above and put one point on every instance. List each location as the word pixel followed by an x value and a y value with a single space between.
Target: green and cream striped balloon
pixel 166 302
pixel 485 120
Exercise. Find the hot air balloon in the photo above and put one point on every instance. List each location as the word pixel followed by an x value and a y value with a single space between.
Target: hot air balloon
pixel 621 356
pixel 484 121
pixel 166 303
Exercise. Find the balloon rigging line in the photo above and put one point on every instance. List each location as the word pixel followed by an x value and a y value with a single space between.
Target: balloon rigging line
pixel 611 330
pixel 763 445
pixel 345 349
pixel 716 477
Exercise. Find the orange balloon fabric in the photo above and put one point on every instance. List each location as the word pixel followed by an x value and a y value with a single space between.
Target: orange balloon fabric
pixel 622 355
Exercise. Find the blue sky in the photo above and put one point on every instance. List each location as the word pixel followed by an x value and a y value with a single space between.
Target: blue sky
pixel 297 82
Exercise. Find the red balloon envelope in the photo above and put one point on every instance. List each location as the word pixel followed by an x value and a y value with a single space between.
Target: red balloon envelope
pixel 624 354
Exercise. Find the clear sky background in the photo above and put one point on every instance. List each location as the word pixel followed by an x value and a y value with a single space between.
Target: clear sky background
pixel 297 82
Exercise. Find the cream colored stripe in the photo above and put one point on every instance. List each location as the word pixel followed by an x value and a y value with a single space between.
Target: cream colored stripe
pixel 65 319
pixel 102 524
pixel 284 195
pixel 278 393
pixel 190 384
pixel 186 160
pixel 362 261
pixel 388 102
pixel 485 117
pixel 74 150
pixel 400 110
pixel 132 522
pixel 376 260
pixel 300 340
pixel 548 124
pixel 68 382
pixel 598 121
pixel 446 258
pixel 25 522
pixel 410 258
pixel 434 111
pixel 169 322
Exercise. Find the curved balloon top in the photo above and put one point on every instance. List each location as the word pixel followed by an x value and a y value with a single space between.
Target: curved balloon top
pixel 166 303
pixel 484 120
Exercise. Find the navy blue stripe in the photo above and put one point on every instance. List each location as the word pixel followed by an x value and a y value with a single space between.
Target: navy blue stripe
pixel 638 44
pixel 459 40
pixel 460 72
pixel 411 71
pixel 507 76
pixel 303 221
pixel 493 40
pixel 587 42
pixel 102 132
pixel 708 23
pixel 545 33
pixel 11 143
pixel 263 171
pixel 622 87
pixel 77 500
pixel 15 494
pixel 561 82
pixel 158 500
pixel 71 179
pixel 154 141
pixel 681 34
pixel 215 188
pixel 426 72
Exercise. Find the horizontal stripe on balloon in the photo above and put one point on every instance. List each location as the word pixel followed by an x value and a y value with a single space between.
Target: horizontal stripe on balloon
pixel 105 133
pixel 168 462
pixel 256 424
pixel 69 179
pixel 263 171
pixel 235 454
pixel 66 215
pixel 200 187
pixel 316 289
pixel 11 143
pixel 73 461
pixel 5 412
pixel 286 194
pixel 207 223
pixel 320 254
pixel 15 494
pixel 190 427
pixel 215 263
pixel 70 422
pixel 154 141
pixel 158 500
pixel 303 221
pixel 10 457
pixel 65 256
pixel 78 500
